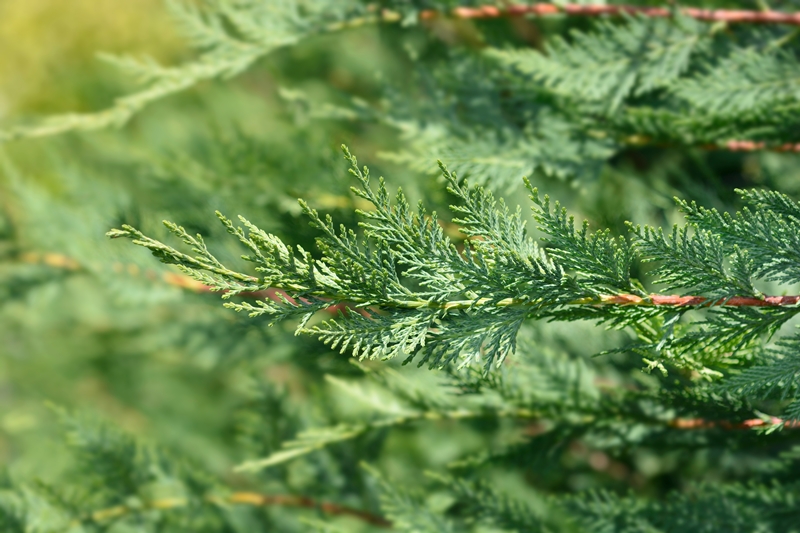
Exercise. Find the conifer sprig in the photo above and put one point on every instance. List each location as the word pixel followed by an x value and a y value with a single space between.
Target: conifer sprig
pixel 412 293
pixel 615 61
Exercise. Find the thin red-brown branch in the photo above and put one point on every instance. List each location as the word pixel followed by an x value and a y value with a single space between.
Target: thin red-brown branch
pixel 700 423
pixel 687 301
pixel 609 299
pixel 249 498
pixel 733 16
pixel 636 141
pixel 606 384
pixel 252 498
pixel 276 295
pixel 753 146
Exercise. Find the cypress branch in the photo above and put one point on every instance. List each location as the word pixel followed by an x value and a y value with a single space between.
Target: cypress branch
pixel 472 303
pixel 60 261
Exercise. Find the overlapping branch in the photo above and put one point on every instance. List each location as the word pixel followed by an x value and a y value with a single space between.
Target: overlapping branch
pixel 701 423
pixel 656 300
pixel 229 54
pixel 754 146
pixel 247 498
pixel 318 438
pixel 732 16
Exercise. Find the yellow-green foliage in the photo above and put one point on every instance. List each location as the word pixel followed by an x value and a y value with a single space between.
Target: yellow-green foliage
pixel 48 50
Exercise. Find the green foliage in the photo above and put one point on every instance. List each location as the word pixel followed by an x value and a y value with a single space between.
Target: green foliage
pixel 776 374
pixel 746 80
pixel 696 262
pixel 707 509
pixel 614 62
pixel 407 511
pixel 534 413
pixel 769 234
pixel 410 292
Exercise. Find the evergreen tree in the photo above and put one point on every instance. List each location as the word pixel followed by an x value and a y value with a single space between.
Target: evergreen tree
pixel 598 375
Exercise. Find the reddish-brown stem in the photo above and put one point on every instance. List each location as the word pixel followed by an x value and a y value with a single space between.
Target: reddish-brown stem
pixel 252 498
pixel 636 141
pixel 699 423
pixel 276 295
pixel 733 16
pixel 686 301
pixel 249 498
pixel 610 299
pixel 753 146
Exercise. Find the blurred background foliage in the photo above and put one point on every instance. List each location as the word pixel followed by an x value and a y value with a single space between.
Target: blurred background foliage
pixel 102 328
pixel 105 330
pixel 48 62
